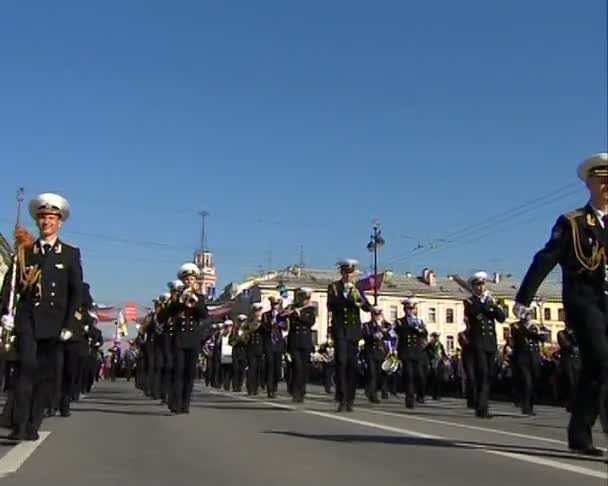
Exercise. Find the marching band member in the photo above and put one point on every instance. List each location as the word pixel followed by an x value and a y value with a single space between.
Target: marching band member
pixel 49 288
pixel 326 350
pixel 579 243
pixel 437 357
pixel 481 313
pixel 239 353
pixel 274 344
pixel 191 309
pixel 226 356
pixel 345 302
pixel 411 334
pixel 526 359
pixel 302 317
pixel 570 363
pixel 468 365
pixel 255 348
pixel 375 352
pixel 170 317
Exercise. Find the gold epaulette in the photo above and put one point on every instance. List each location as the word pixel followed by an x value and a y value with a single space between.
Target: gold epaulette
pixel 575 213
pixel 598 255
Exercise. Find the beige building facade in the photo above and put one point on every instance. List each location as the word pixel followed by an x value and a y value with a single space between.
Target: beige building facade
pixel 440 299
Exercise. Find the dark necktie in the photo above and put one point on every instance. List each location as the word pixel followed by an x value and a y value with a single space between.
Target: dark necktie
pixel 47 250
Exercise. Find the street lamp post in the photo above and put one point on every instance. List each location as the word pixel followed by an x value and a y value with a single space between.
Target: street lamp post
pixel 376 241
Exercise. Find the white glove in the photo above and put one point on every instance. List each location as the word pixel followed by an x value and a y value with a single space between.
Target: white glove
pixel 520 310
pixel 8 322
pixel 378 335
pixel 65 335
pixel 86 328
pixel 392 334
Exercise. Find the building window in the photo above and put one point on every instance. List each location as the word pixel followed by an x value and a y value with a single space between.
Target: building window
pixel 393 313
pixel 449 341
pixel 449 316
pixel 432 315
pixel 547 312
pixel 561 315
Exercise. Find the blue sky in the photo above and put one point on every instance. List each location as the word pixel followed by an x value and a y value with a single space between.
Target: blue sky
pixel 297 123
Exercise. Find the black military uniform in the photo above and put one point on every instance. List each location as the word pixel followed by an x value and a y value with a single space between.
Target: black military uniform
pixel 300 345
pixel 274 346
pixel 569 364
pixel 255 352
pixel 579 241
pixel 239 354
pixel 527 339
pixel 44 309
pixel 344 302
pixel 95 342
pixel 375 351
pixel 436 355
pixel 411 336
pixel 481 314
pixel 468 365
pixel 186 350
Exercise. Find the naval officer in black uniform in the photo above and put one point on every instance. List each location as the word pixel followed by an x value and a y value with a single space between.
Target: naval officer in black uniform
pixel 345 302
pixel 578 243
pixel 49 286
pixel 481 314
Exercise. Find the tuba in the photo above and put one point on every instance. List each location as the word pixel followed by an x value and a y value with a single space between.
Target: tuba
pixel 391 363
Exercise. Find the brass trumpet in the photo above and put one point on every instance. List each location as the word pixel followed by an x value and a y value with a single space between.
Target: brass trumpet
pixel 188 297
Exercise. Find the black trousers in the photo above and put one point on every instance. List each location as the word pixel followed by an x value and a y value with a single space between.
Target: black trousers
pixel 374 377
pixel 300 359
pixel 149 368
pixel 167 373
pixel 328 376
pixel 227 373
pixel 239 363
pixel 273 361
pixel 185 374
pixel 36 381
pixel 528 374
pixel 468 364
pixel 589 324
pixel 346 370
pixel 413 377
pixel 569 371
pixel 69 356
pixel 254 362
pixel 484 369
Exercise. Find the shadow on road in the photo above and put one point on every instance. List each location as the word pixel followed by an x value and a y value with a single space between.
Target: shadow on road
pixel 417 441
pixel 121 412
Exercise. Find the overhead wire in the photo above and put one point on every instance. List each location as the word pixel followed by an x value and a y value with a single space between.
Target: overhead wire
pixel 490 222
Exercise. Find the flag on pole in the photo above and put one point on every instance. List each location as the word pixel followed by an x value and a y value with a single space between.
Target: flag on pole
pixel 366 284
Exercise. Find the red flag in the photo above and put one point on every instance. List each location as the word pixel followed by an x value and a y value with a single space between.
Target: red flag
pixel 130 311
pixel 105 314
pixel 366 284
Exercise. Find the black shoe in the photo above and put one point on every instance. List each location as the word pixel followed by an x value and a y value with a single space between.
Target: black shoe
pixel 340 407
pixel 65 413
pixel 587 450
pixel 409 404
pixel 374 400
pixel 17 436
pixel 349 406
pixel 32 435
pixel 384 396
pixel 483 414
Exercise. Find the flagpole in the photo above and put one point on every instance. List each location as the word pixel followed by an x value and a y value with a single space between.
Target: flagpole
pixel 376 240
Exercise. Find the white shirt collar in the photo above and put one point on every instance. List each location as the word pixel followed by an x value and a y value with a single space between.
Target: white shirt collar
pixel 51 242
pixel 599 213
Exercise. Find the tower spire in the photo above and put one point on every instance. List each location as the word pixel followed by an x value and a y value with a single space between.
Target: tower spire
pixel 203 215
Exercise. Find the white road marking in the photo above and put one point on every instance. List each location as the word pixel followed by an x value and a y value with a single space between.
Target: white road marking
pixel 463 426
pixel 411 433
pixel 14 459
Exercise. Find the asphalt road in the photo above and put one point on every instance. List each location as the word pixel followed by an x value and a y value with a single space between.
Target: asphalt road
pixel 117 436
